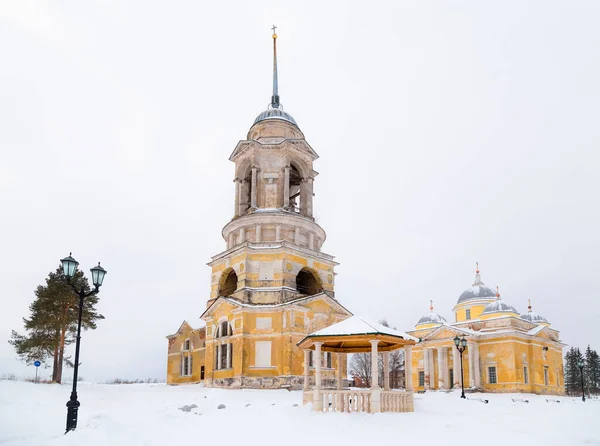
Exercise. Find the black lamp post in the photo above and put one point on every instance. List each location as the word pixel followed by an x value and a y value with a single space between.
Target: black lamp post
pixel 461 345
pixel 580 365
pixel 69 265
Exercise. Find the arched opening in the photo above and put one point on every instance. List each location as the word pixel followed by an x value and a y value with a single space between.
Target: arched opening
pixel 308 282
pixel 228 283
pixel 295 189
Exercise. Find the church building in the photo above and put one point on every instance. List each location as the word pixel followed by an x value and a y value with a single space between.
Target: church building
pixel 273 284
pixel 506 351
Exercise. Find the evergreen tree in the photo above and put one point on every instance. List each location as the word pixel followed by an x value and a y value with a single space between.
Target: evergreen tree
pixel 592 367
pixel 572 372
pixel 52 323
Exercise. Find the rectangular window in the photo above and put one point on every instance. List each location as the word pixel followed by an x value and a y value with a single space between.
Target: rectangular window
pixel 421 378
pixel 451 378
pixel 185 365
pixel 263 323
pixel 525 375
pixel 468 314
pixel 262 353
pixel 328 360
pixel 223 356
pixel 186 344
pixel 216 357
pixel 230 355
pixel 265 270
pixel 493 377
pixel 546 381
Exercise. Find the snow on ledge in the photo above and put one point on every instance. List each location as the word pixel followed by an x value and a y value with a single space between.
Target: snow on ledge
pixel 356 325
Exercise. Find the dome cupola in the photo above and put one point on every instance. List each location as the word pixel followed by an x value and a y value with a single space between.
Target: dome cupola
pixel 476 291
pixel 498 308
pixel 534 317
pixel 430 320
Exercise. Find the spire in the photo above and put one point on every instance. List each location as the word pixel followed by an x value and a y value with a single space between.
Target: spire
pixel 478 281
pixel 431 306
pixel 275 97
pixel 497 292
pixel 529 306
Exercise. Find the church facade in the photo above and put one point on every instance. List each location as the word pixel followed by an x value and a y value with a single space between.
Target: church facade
pixel 273 284
pixel 506 351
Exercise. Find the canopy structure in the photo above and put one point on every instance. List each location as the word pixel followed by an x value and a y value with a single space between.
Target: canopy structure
pixel 357 335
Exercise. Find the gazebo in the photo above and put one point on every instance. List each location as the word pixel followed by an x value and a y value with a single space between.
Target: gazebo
pixel 356 335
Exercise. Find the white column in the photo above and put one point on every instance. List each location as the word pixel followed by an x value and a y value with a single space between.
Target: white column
pixel 374 365
pixel 309 197
pixel 306 369
pixel 243 186
pixel 278 233
pixel 456 367
pixel 340 382
pixel 317 398
pixel 408 382
pixel 440 362
pixel 236 207
pixel 386 370
pixel 447 383
pixel 286 188
pixel 426 368
pixel 476 366
pixel 470 350
pixel 253 198
pixel 258 233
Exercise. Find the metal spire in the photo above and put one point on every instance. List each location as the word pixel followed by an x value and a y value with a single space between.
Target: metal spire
pixel 275 97
pixel 431 305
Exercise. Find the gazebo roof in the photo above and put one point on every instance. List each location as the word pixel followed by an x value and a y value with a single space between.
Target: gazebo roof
pixel 354 335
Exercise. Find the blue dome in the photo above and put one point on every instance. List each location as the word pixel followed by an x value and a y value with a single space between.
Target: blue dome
pixel 275 113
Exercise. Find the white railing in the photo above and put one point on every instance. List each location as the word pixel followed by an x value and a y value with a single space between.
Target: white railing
pixel 394 401
pixel 346 400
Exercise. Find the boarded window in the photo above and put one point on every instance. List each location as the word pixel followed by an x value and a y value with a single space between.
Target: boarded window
pixel 263 323
pixel 262 353
pixel 265 271
pixel 493 377
pixel 525 375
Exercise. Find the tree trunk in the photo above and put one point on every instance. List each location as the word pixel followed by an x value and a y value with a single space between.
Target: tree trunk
pixel 55 357
pixel 61 353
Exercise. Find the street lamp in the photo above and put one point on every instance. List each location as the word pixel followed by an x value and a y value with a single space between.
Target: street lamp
pixel 461 345
pixel 69 265
pixel 580 365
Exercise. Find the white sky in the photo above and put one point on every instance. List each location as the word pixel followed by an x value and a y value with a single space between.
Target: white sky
pixel 449 133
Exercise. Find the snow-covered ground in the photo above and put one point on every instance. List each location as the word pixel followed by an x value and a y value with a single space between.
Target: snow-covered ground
pixel 149 414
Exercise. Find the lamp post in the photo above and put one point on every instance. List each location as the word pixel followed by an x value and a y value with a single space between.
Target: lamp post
pixel 69 265
pixel 580 365
pixel 461 345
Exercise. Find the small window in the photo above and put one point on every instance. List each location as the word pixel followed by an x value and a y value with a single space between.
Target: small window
pixel 546 380
pixel 451 378
pixel 224 349
pixel 525 375
pixel 421 378
pixel 493 377
pixel 468 314
pixel 328 360
pixel 186 365
pixel 186 344
pixel 223 329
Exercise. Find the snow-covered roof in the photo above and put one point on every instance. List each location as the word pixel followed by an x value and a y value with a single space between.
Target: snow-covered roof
pixel 356 325
pixel 431 318
pixel 499 306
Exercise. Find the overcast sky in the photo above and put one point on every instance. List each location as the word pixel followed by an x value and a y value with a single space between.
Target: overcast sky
pixel 448 133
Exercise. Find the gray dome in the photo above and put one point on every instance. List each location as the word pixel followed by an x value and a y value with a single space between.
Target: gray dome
pixel 534 317
pixel 477 291
pixel 431 318
pixel 499 306
pixel 275 113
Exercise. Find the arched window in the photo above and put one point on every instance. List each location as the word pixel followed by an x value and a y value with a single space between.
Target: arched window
pixel 308 282
pixel 228 283
pixel 246 199
pixel 295 189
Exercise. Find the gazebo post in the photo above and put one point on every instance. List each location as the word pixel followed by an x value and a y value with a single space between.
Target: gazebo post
pixel 318 398
pixel 375 389
pixel 386 370
pixel 340 382
pixel 306 395
pixel 410 401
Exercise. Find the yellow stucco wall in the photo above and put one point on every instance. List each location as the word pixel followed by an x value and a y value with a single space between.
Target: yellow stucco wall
pixel 176 351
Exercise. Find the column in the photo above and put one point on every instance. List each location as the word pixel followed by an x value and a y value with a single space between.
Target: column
pixel 278 233
pixel 375 389
pixel 236 207
pixel 440 368
pixel 470 350
pixel 317 398
pixel 254 192
pixel 340 382
pixel 476 366
pixel 386 370
pixel 456 366
pixel 242 205
pixel 258 233
pixel 426 368
pixel 230 241
pixel 447 383
pixel 309 197
pixel 408 382
pixel 242 235
pixel 306 369
pixel 286 188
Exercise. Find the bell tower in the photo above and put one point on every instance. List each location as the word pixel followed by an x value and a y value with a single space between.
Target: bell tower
pixel 273 245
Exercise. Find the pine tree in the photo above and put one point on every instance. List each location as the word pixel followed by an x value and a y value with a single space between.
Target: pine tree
pixel 52 323
pixel 572 372
pixel 592 368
